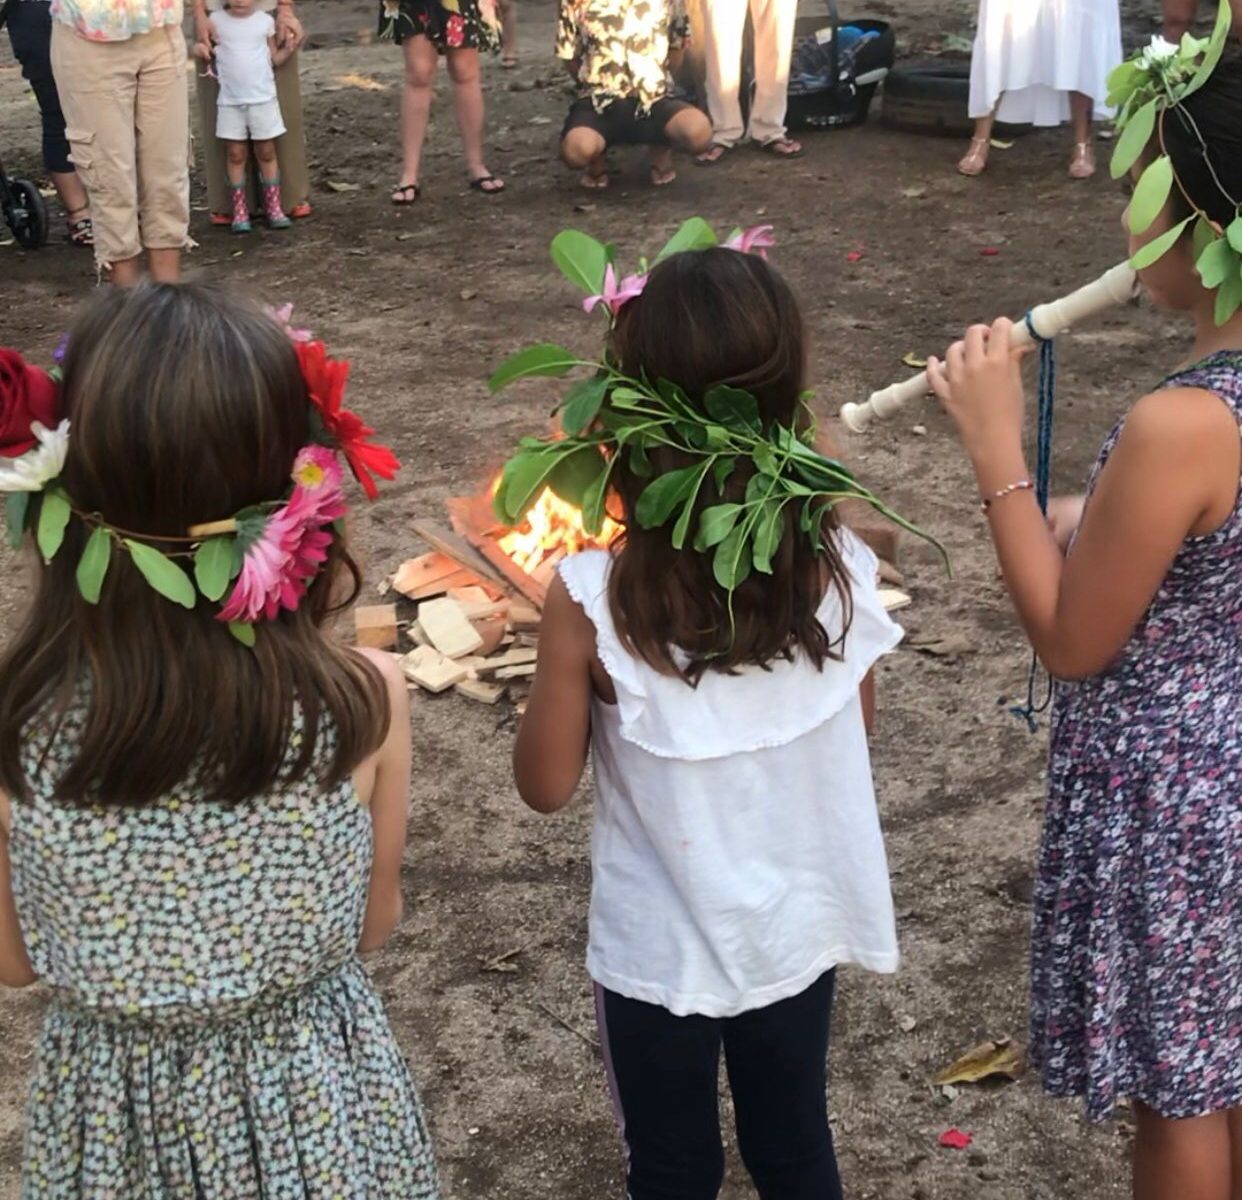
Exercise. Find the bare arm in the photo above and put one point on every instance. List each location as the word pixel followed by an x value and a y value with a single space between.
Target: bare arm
pixel 281 54
pixel 15 968
pixel 204 34
pixel 1173 474
pixel 384 786
pixel 289 32
pixel 552 744
pixel 866 693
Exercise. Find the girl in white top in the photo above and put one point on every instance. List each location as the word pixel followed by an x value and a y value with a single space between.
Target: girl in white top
pixel 736 853
pixel 248 111
pixel 1042 62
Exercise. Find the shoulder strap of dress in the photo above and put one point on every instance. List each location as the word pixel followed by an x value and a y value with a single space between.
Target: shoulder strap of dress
pixel 1220 374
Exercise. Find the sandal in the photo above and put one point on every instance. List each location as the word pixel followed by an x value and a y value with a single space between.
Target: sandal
pixel 80 232
pixel 975 159
pixel 782 147
pixel 662 176
pixel 488 185
pixel 509 61
pixel 405 194
pixel 712 155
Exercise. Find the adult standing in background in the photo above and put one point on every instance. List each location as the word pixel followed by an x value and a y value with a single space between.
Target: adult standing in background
pixel 1041 62
pixel 773 22
pixel 120 75
pixel 30 35
pixel 290 148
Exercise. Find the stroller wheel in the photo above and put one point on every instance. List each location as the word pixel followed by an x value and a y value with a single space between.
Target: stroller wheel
pixel 28 218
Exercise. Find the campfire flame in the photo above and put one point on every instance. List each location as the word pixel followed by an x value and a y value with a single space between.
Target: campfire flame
pixel 553 530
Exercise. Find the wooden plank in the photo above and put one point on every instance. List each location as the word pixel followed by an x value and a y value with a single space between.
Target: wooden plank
pixel 376 626
pixel 447 628
pixel 416 573
pixel 446 541
pixel 471 517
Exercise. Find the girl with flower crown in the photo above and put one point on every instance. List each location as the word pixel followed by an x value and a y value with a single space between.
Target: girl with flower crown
pixel 724 691
pixel 202 795
pixel 1133 599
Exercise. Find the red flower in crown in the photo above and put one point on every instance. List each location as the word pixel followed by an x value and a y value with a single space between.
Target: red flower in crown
pixel 27 395
pixel 325 382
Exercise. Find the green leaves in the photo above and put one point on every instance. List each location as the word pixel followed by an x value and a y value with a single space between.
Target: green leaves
pixel 544 360
pixel 162 574
pixel 1215 48
pixel 731 565
pixel 581 259
pixel 1156 249
pixel 694 234
pixel 1234 234
pixel 665 493
pixel 1229 298
pixel 1134 138
pixel 582 404
pixel 1216 262
pixel 54 514
pixel 1151 194
pixel 716 524
pixel 93 565
pixel 243 633
pixel 16 506
pixel 213 566
pixel 733 408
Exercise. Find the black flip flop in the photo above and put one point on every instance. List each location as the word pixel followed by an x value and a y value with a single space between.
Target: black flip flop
pixel 771 148
pixel 401 189
pixel 480 185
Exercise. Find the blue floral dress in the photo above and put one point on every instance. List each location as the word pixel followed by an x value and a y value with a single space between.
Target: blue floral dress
pixel 1137 947
pixel 211 1034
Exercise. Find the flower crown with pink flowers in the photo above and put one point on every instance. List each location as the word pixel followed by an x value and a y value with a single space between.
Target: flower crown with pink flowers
pixel 254 564
pixel 742 485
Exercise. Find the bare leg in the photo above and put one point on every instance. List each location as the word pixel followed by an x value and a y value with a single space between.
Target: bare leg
pixel 508 33
pixel 975 159
pixel 689 131
pixel 662 172
pixel 71 193
pixel 127 273
pixel 584 150
pixel 238 154
pixel 1182 1160
pixel 1235 1150
pixel 1082 164
pixel 463 68
pixel 420 76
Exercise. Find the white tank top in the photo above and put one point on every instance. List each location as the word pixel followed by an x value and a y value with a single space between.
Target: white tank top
pixel 736 853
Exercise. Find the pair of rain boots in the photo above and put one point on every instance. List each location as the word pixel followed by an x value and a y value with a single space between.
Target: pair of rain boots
pixel 273 210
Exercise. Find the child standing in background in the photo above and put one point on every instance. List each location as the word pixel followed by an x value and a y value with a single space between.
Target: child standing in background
pixel 199 832
pixel 248 112
pixel 736 856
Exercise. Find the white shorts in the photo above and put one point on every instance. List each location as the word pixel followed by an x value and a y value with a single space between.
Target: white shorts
pixel 243 122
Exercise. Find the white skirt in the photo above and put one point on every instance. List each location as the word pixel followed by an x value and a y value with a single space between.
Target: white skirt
pixel 1030 54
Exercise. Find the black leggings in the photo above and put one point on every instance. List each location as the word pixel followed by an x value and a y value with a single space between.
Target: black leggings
pixel 30 32
pixel 662 1071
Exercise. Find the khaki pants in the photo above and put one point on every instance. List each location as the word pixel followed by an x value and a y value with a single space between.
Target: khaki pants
pixel 773 22
pixel 127 118
pixel 290 149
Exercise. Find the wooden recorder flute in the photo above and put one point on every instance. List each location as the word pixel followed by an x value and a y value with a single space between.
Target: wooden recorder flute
pixel 1112 288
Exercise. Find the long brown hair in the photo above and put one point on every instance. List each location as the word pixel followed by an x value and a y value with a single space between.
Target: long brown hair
pixel 186 405
pixel 707 318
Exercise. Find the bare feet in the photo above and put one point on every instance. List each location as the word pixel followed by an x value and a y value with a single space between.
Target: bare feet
pixel 976 158
pixel 1082 161
pixel 782 147
pixel 712 155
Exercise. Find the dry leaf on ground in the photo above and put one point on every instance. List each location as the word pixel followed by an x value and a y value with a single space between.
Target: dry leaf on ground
pixel 1001 1056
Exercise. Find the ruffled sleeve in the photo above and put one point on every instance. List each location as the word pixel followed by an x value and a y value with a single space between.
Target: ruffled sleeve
pixel 752 709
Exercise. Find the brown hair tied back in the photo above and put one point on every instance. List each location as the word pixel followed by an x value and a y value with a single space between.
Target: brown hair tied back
pixel 706 318
pixel 186 405
pixel 1203 139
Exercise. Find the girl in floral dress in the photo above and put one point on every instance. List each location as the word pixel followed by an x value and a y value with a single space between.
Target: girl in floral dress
pixel 198 835
pixel 1133 599
pixel 426 29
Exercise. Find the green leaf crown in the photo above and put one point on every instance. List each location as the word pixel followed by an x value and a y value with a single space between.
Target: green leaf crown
pixel 608 417
pixel 1143 90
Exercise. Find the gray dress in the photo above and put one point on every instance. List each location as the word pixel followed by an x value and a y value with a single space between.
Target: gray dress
pixel 211 1032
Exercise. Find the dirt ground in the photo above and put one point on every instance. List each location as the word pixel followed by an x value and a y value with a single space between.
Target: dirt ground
pixel 422 302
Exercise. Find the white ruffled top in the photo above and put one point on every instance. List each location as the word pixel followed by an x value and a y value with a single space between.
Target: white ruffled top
pixel 736 853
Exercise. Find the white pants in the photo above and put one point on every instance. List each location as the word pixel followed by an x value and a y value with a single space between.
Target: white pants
pixel 725 22
pixel 243 122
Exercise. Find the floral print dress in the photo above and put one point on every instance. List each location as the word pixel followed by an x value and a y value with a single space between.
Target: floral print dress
pixel 1137 944
pixel 449 24
pixel 211 1034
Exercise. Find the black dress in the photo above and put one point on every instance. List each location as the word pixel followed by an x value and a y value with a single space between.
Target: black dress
pixel 450 24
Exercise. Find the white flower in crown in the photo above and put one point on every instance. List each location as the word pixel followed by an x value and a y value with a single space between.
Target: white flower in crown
pixel 34 470
pixel 1160 51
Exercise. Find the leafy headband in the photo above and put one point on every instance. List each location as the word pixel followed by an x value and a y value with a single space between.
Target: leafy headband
pixel 253 564
pixel 607 417
pixel 1144 91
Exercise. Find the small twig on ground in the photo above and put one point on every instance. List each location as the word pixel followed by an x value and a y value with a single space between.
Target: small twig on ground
pixel 586 1037
pixel 501 964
